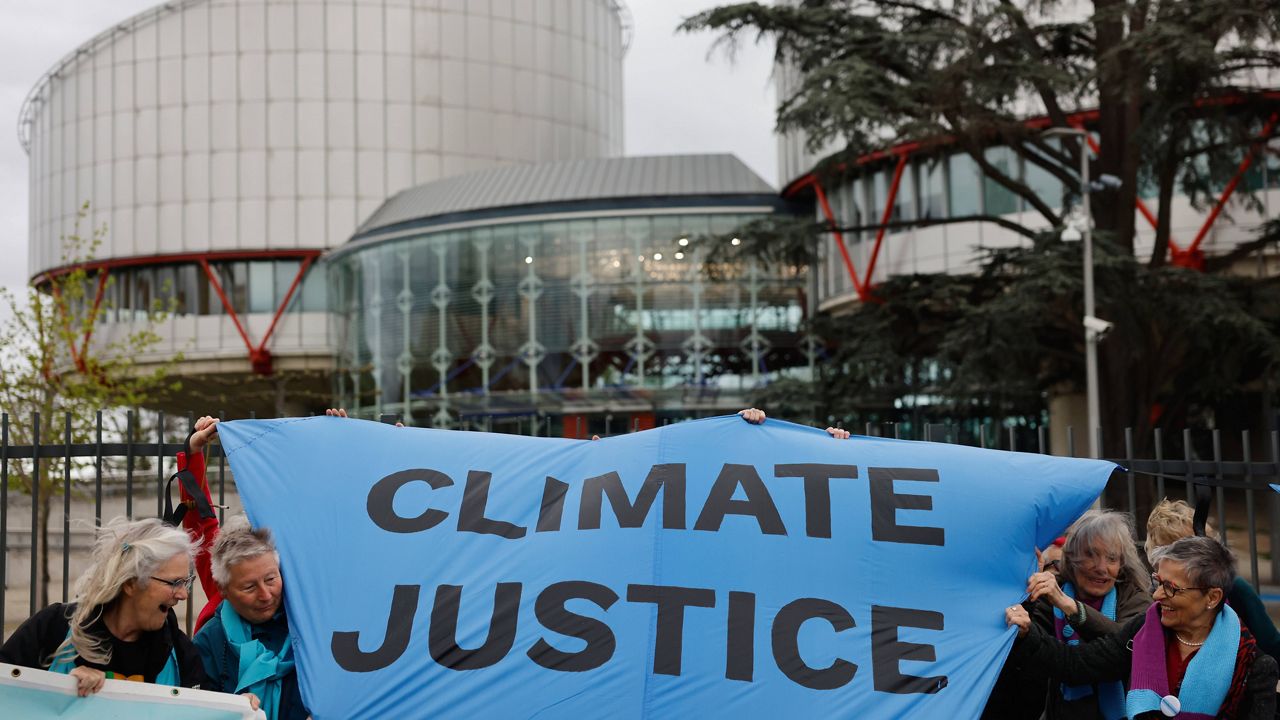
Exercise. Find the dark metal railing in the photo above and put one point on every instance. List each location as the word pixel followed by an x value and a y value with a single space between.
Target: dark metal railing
pixel 1244 475
pixel 82 475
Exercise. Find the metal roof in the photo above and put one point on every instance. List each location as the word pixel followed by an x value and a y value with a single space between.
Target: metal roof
pixel 573 181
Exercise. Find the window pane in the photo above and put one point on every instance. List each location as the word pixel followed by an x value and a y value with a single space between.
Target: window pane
pixel 904 203
pixel 963 179
pixel 165 287
pixel 233 277
pixel 314 290
pixel 285 272
pixel 142 287
pixel 207 302
pixel 184 289
pixel 1045 184
pixel 124 294
pixel 997 199
pixel 879 189
pixel 262 287
pixel 933 192
pixel 855 196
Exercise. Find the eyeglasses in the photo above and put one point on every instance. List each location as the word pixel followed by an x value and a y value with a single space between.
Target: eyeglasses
pixel 1055 565
pixel 1169 588
pixel 176 585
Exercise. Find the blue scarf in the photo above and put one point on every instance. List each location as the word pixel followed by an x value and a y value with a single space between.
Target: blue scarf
pixel 260 671
pixel 1110 695
pixel 1209 674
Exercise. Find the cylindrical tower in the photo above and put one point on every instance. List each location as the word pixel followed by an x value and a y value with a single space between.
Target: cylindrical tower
pixel 225 144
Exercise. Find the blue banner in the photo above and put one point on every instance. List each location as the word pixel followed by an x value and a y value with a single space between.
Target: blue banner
pixel 704 569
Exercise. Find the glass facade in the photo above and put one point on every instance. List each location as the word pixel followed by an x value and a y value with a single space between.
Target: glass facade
pixel 586 318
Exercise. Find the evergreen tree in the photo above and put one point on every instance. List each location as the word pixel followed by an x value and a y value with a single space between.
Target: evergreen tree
pixel 1175 94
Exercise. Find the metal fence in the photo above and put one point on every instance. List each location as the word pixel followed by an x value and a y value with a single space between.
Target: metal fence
pixel 123 474
pixel 1234 478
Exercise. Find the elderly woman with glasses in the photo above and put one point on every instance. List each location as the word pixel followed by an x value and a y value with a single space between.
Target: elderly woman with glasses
pixel 1098 585
pixel 1172 521
pixel 123 626
pixel 1188 656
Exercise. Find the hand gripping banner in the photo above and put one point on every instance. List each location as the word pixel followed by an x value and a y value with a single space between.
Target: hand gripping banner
pixel 31 694
pixel 709 569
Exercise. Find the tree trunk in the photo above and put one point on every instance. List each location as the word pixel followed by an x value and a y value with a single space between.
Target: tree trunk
pixel 1164 219
pixel 1118 117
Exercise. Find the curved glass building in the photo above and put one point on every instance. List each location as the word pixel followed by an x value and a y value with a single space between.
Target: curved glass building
pixel 566 297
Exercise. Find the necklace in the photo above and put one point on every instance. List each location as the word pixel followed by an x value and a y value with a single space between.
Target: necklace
pixel 1188 644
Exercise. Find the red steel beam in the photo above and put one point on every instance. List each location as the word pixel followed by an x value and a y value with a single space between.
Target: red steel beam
pixel 1180 256
pixel 226 304
pixel 1192 257
pixel 262 346
pixel 884 220
pixel 172 258
pixel 836 234
pixel 93 316
pixel 259 356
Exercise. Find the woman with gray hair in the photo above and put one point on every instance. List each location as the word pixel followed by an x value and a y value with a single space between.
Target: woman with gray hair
pixel 1172 521
pixel 246 645
pixel 1100 586
pixel 1187 656
pixel 123 625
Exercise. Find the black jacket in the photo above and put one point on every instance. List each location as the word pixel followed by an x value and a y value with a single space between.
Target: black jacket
pixel 1023 692
pixel 34 642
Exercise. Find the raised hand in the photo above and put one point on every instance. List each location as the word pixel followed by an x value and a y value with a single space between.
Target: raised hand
pixel 206 427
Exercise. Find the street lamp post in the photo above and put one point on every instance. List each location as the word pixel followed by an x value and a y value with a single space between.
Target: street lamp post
pixel 1092 325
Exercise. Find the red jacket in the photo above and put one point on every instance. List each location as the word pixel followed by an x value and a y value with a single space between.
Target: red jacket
pixel 202 531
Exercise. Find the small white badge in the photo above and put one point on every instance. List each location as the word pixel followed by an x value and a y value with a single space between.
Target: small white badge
pixel 1170 706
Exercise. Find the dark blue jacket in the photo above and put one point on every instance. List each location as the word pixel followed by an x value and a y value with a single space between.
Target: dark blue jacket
pixel 222 665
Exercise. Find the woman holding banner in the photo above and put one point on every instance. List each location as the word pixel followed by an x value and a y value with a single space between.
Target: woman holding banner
pixel 1102 586
pixel 123 626
pixel 1096 587
pixel 1188 655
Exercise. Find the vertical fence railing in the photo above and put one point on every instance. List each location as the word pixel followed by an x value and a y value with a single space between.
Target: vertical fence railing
pixel 84 478
pixel 1233 482
pixel 34 490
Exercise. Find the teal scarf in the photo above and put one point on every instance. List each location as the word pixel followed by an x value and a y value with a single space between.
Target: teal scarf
pixel 1110 695
pixel 261 671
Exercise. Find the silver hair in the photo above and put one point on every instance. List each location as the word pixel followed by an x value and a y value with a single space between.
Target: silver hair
pixel 123 551
pixel 236 543
pixel 1114 531
pixel 1208 563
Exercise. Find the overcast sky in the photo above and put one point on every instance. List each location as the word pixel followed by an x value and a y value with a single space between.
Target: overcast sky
pixel 678 99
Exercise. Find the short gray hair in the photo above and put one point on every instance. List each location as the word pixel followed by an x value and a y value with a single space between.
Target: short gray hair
pixel 236 543
pixel 1208 562
pixel 1114 530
